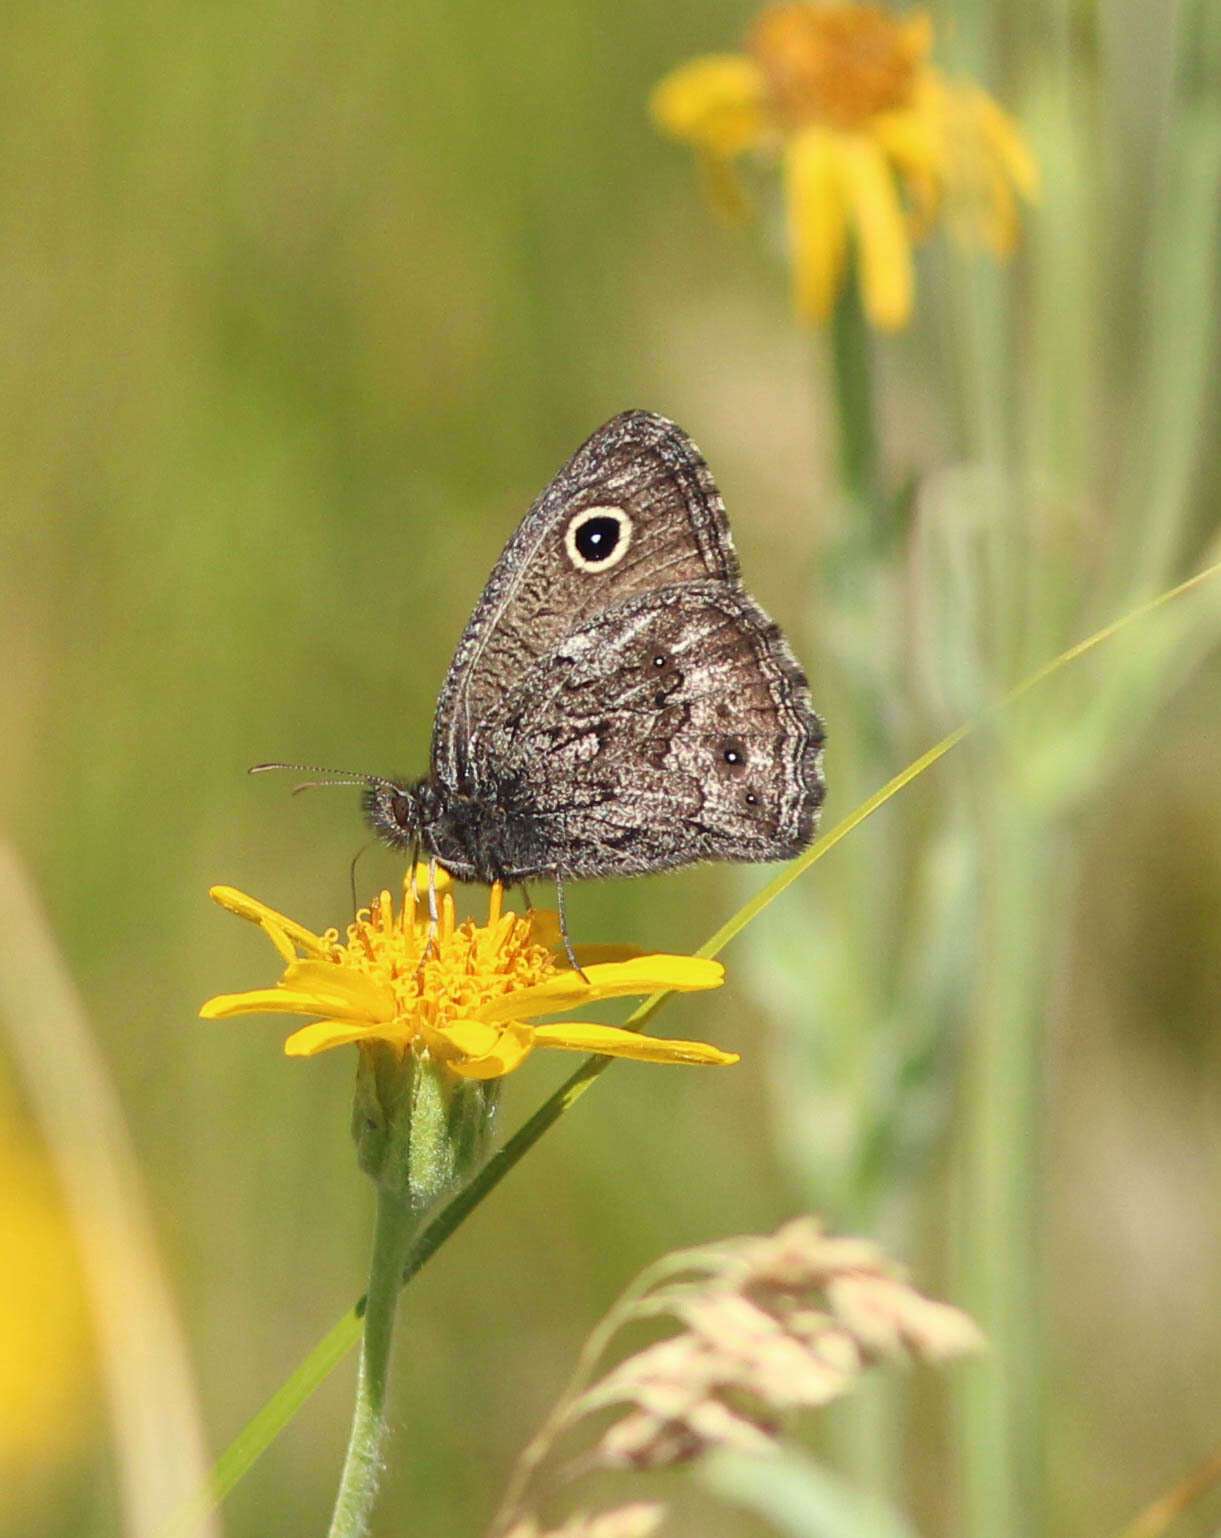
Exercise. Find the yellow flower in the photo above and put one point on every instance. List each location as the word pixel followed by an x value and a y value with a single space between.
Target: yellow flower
pixel 874 142
pixel 468 998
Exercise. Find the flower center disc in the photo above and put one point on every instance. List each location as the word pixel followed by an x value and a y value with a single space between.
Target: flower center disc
pixel 835 64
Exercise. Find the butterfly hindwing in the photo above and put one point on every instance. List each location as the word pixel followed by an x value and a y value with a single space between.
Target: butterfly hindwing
pixel 671 728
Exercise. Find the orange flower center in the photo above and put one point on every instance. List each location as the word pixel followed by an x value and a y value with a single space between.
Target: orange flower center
pixel 444 975
pixel 836 64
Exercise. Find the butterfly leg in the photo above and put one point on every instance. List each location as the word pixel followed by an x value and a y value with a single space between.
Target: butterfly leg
pixel 525 897
pixel 352 869
pixel 563 917
pixel 434 914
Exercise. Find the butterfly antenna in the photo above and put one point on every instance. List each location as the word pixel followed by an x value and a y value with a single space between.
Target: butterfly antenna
pixel 333 776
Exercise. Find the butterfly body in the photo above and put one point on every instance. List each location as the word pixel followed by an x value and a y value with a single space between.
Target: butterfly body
pixel 618 703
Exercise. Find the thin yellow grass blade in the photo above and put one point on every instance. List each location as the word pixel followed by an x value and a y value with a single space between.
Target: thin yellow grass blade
pixel 157 1438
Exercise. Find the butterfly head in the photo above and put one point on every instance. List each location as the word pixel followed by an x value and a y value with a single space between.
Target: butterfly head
pixel 396 812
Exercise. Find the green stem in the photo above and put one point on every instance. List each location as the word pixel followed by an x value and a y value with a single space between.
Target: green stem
pixel 393 1232
pixel 852 365
pixel 999 1396
pixel 858 605
pixel 417 1131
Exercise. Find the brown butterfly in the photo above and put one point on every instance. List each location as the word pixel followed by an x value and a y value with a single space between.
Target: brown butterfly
pixel 618 703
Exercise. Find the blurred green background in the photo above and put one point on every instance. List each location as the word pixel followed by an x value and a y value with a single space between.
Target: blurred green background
pixel 301 305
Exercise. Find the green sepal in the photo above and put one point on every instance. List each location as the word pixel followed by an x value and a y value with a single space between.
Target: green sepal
pixel 419 1129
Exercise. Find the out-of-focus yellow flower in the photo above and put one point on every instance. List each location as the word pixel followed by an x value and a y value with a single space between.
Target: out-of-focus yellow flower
pixel 464 994
pixel 875 145
pixel 45 1344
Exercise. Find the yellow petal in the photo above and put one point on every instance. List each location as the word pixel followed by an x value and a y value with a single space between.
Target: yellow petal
pixel 997 217
pixel 598 955
pixel 488 942
pixel 417 877
pixel 714 102
pixel 511 1051
pixel 259 1001
pixel 916 150
pixel 545 928
pixel 882 245
pixel 309 988
pixel 1007 143
pixel 609 1039
pixel 315 1038
pixel 470 1038
pixel 607 980
pixel 267 918
pixel 343 990
pixel 816 222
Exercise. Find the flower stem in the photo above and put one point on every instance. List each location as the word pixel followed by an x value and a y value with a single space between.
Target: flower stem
pixel 417 1132
pixel 852 365
pixel 999 1398
pixel 856 601
pixel 393 1232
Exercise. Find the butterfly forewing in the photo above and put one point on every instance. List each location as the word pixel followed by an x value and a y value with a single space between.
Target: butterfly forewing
pixel 618 703
pixel 634 510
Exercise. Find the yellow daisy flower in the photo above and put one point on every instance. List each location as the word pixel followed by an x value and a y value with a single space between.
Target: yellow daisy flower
pixel 469 998
pixel 874 144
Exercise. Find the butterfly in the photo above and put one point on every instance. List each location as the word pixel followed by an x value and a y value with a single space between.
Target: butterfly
pixel 618 703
